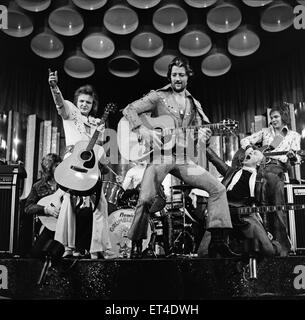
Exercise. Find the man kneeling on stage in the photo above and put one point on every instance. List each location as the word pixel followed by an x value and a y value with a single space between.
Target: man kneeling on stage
pixel 241 186
pixel 46 186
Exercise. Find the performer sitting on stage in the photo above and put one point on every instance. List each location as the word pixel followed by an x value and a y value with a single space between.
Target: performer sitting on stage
pixel 134 175
pixel 241 184
pixel 132 183
pixel 79 124
pixel 176 102
pixel 272 171
pixel 42 188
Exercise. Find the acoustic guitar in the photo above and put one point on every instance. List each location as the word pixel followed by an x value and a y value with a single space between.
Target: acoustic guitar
pixel 54 200
pixel 79 172
pixel 133 148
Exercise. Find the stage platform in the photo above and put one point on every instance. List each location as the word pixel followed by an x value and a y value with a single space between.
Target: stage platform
pixel 181 278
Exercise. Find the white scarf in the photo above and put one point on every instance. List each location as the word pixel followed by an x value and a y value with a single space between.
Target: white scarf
pixel 251 180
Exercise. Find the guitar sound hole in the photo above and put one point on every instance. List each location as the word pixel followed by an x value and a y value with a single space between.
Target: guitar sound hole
pixel 162 138
pixel 86 155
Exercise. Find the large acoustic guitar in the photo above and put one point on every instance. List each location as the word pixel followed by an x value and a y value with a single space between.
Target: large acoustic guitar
pixel 79 172
pixel 133 148
pixel 54 200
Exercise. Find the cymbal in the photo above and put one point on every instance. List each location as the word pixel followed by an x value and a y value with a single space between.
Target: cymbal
pixel 182 187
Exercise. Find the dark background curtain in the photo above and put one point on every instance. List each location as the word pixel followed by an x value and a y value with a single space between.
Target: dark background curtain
pixel 238 95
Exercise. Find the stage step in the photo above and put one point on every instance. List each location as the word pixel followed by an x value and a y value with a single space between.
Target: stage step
pixel 159 279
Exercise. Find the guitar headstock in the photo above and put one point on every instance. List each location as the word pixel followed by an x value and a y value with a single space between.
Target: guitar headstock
pixel 110 107
pixel 301 153
pixel 229 125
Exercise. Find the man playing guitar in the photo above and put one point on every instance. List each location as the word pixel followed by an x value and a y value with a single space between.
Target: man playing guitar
pixel 42 188
pixel 176 102
pixel 80 125
pixel 279 139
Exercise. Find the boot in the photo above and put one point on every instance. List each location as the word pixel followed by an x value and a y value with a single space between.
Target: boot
pixel 219 245
pixel 149 253
pixel 136 249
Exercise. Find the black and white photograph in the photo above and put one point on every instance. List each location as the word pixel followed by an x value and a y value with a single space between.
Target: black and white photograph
pixel 152 153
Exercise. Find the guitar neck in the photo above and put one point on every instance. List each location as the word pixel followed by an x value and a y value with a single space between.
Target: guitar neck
pixel 93 140
pixel 264 209
pixel 96 133
pixel 280 153
pixel 276 153
pixel 209 125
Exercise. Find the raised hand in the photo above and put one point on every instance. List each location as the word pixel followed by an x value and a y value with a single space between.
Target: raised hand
pixel 53 78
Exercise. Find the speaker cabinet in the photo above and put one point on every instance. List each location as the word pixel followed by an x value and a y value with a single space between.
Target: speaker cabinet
pixel 296 218
pixel 11 179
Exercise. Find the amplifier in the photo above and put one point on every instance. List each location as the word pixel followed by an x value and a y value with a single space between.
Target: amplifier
pixel 295 194
pixel 11 178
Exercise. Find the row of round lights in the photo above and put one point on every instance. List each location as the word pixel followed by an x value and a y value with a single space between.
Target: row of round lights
pixel 168 19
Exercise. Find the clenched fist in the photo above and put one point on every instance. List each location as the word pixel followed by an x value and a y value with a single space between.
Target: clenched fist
pixel 53 78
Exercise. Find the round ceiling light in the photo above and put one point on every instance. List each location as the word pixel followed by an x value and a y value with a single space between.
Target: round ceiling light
pixel 224 18
pixel 18 24
pixel 66 21
pixel 161 64
pixel 90 4
pixel 34 5
pixel 79 66
pixel 277 17
pixel 146 44
pixel 121 20
pixel 47 45
pixel 243 43
pixel 216 64
pixel 195 43
pixel 200 3
pixel 257 3
pixel 143 4
pixel 124 65
pixel 170 19
pixel 97 45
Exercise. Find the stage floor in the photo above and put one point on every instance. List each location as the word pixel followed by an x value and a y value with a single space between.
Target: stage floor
pixel 181 278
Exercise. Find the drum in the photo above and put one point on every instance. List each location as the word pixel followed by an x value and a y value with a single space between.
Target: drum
pixel 178 227
pixel 113 191
pixel 119 223
pixel 129 198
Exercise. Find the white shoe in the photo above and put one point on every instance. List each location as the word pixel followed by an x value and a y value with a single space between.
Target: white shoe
pixel 68 253
pixel 96 255
pixel 77 254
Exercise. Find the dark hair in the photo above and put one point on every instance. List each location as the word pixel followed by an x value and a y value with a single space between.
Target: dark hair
pixel 283 111
pixel 47 163
pixel 88 89
pixel 238 158
pixel 180 62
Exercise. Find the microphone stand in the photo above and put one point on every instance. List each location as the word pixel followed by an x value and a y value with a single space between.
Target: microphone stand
pixel 53 251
